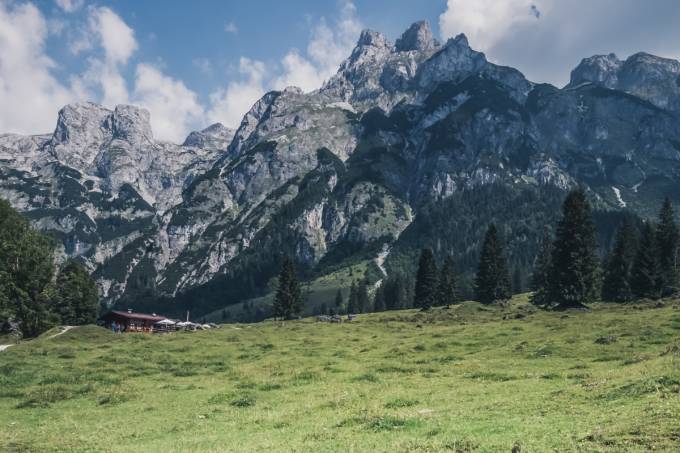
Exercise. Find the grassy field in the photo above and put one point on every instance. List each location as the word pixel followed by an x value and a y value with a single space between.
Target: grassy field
pixel 471 378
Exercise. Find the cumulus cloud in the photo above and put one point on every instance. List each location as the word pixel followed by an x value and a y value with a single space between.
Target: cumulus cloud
pixel 230 104
pixel 29 95
pixel 174 108
pixel 230 27
pixel 545 39
pixel 70 5
pixel 116 37
pixel 328 46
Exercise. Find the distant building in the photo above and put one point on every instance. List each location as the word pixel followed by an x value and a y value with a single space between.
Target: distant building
pixel 131 321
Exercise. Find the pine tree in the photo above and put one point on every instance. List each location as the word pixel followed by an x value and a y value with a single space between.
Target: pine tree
pixel 644 273
pixel 517 285
pixel 78 298
pixel 667 249
pixel 492 283
pixel 539 276
pixel 573 276
pixel 27 296
pixel 616 285
pixel 363 301
pixel 288 300
pixel 379 299
pixel 353 300
pixel 426 281
pixel 339 302
pixel 446 291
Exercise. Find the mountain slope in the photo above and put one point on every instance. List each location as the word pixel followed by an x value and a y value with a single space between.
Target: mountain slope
pixel 409 144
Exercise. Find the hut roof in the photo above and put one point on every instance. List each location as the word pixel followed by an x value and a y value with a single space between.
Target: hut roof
pixel 132 315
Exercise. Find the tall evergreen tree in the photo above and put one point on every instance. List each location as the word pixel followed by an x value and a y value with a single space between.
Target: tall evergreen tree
pixel 446 292
pixel 539 276
pixel 288 300
pixel 644 276
pixel 616 285
pixel 353 300
pixel 27 297
pixel 77 294
pixel 426 281
pixel 492 282
pixel 379 298
pixel 517 284
pixel 667 249
pixel 339 302
pixel 573 276
pixel 395 292
pixel 363 301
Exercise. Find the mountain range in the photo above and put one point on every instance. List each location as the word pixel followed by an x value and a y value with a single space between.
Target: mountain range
pixel 410 143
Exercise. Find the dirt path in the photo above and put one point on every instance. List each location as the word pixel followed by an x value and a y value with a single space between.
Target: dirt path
pixel 64 329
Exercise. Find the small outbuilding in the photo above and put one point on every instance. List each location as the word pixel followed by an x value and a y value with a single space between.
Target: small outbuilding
pixel 129 321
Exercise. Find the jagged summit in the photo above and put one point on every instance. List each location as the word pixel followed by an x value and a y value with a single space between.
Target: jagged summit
pixel 348 167
pixel 650 77
pixel 372 38
pixel 216 136
pixel 417 37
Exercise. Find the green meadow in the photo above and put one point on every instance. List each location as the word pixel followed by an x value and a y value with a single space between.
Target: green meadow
pixel 465 379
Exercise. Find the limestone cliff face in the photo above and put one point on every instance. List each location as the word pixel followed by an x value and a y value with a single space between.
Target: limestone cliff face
pixel 341 171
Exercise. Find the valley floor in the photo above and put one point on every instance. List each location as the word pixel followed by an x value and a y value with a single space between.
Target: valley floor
pixel 470 378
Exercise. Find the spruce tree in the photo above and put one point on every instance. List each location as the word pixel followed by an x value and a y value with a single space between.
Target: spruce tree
pixel 78 299
pixel 517 286
pixel 539 276
pixel 27 296
pixel 446 292
pixel 644 273
pixel 338 301
pixel 573 276
pixel 288 300
pixel 617 272
pixel 492 282
pixel 353 300
pixel 667 249
pixel 379 299
pixel 426 281
pixel 363 301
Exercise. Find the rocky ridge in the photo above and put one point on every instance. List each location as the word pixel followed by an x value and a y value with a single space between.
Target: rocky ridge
pixel 347 171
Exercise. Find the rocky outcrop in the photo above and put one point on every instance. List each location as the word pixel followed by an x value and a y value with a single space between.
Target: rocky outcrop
pixel 342 173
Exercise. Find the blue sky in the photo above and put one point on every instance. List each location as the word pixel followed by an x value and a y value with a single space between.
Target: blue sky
pixel 199 62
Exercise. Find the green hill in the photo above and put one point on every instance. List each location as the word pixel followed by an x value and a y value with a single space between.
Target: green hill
pixel 470 378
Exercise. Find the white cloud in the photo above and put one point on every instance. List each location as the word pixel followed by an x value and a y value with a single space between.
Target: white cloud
pixel 70 5
pixel 230 27
pixel 174 108
pixel 116 37
pixel 29 95
pixel 327 48
pixel 545 39
pixel 229 105
pixel 485 22
pixel 203 65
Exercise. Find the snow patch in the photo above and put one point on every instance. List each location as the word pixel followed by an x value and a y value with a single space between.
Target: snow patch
pixel 617 192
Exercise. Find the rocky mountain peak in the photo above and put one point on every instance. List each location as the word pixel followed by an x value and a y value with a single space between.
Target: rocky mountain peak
pixel 596 69
pixel 652 78
pixel 216 136
pixel 417 37
pixel 372 38
pixel 77 120
pixel 132 123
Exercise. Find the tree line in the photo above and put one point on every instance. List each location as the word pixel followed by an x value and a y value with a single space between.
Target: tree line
pixel 567 270
pixel 36 293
